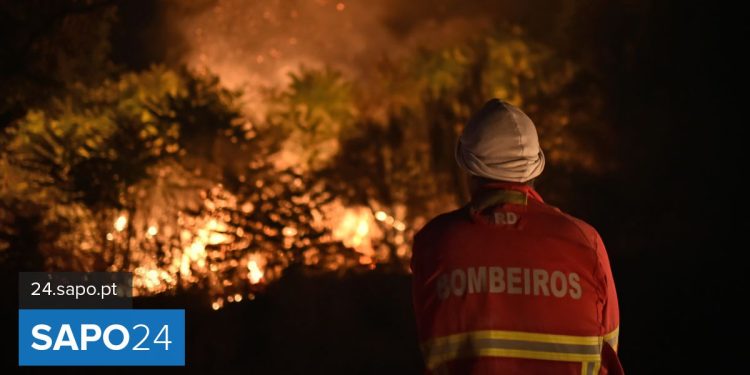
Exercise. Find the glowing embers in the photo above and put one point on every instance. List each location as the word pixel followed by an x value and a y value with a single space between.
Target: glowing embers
pixel 121 223
pixel 352 226
pixel 234 245
pixel 153 280
pixel 254 266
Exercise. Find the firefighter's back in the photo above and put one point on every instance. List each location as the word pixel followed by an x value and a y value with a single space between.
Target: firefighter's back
pixel 511 285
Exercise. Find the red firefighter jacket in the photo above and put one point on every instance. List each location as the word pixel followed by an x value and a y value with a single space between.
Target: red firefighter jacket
pixel 511 285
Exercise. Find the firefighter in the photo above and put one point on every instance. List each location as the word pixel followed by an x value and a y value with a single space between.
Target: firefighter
pixel 509 284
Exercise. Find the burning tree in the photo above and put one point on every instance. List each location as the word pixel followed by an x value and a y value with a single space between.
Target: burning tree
pixel 165 174
pixel 161 174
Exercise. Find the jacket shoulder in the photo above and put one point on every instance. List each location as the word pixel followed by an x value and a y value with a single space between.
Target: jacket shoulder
pixel 440 223
pixel 587 232
pixel 567 225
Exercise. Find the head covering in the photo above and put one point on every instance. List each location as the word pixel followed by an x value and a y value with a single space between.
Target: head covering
pixel 500 143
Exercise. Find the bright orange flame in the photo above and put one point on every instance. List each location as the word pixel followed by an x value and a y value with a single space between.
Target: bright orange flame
pixel 399 226
pixel 255 274
pixel 354 227
pixel 206 243
pixel 120 223
pixel 289 231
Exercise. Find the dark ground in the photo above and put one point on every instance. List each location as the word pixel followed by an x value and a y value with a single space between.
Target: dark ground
pixel 361 324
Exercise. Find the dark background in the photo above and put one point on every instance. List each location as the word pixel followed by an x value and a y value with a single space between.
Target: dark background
pixel 671 84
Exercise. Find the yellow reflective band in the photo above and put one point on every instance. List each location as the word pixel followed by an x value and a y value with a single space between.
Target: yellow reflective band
pixel 613 337
pixel 491 198
pixel 437 360
pixel 516 335
pixel 512 344
pixel 590 368
pixel 612 334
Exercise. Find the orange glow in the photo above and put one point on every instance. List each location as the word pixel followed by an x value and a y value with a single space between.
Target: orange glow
pixel 399 226
pixel 205 246
pixel 177 228
pixel 207 243
pixel 352 226
pixel 254 266
pixel 121 223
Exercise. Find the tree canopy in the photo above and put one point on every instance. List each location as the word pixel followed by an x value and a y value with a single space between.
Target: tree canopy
pixel 164 172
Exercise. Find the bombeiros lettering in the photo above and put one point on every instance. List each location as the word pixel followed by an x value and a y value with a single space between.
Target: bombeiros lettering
pixel 509 280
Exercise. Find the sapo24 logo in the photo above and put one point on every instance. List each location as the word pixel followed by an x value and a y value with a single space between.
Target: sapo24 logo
pixel 101 337
pixel 93 333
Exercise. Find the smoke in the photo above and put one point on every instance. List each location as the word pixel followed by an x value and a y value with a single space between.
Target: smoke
pixel 251 44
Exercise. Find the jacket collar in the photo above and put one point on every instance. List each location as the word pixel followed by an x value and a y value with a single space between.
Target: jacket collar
pixel 495 193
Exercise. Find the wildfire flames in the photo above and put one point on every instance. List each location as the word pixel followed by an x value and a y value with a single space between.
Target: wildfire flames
pixel 321 149
pixel 207 247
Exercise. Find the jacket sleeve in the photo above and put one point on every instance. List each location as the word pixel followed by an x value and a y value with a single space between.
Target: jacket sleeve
pixel 610 306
